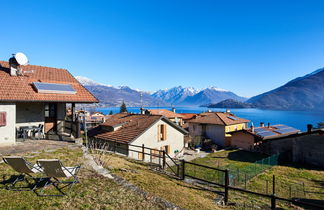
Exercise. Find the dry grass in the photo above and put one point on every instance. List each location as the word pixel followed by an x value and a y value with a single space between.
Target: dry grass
pixel 94 191
pixel 182 194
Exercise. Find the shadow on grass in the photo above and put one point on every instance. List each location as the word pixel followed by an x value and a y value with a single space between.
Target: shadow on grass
pixel 319 203
pixel 245 156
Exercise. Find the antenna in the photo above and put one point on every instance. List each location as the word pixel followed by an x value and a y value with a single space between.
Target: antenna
pixel 21 58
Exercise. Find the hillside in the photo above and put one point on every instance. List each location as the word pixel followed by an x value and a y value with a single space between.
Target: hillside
pixel 230 103
pixel 302 93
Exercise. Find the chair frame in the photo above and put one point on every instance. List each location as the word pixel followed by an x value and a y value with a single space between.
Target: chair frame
pixel 22 176
pixel 51 180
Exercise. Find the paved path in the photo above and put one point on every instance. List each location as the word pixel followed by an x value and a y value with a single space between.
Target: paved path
pixel 33 146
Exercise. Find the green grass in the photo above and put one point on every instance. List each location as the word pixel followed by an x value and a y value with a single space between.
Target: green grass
pixel 94 191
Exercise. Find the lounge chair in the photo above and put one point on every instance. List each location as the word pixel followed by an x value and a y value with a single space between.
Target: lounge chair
pixel 23 167
pixel 39 131
pixel 54 170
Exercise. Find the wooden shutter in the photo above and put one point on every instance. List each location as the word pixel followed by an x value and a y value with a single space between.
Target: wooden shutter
pixel 158 133
pixel 168 149
pixel 164 132
pixel 3 118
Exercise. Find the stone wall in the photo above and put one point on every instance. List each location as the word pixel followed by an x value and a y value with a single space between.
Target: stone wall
pixel 305 148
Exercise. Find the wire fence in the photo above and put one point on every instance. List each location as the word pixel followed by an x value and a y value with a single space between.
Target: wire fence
pixel 240 176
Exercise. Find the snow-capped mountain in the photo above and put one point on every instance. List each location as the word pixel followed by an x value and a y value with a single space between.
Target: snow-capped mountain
pixel 195 97
pixel 114 96
pixel 175 95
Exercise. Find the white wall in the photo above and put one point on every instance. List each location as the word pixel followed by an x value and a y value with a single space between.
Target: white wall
pixel 8 132
pixel 150 139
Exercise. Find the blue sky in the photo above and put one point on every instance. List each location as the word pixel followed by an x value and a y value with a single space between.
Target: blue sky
pixel 248 47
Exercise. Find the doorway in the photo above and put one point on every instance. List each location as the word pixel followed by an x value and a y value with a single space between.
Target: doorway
pixel 50 117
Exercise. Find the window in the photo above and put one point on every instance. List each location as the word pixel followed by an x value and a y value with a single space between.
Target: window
pixel 50 110
pixel 162 132
pixel 3 119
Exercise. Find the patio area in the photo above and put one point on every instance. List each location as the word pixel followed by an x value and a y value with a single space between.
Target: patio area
pixel 35 146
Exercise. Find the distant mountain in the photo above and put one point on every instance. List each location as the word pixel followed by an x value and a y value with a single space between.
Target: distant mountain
pixel 230 103
pixel 211 95
pixel 302 93
pixel 175 95
pixel 195 97
pixel 113 96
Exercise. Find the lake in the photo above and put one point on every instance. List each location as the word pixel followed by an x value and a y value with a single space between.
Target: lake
pixel 297 119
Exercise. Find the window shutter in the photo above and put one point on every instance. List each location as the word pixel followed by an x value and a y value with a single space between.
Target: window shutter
pixel 3 118
pixel 158 133
pixel 164 132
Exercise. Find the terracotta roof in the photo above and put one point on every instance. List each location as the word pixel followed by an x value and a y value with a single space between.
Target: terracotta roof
pixel 20 88
pixel 218 118
pixel 187 116
pixel 164 112
pixel 132 126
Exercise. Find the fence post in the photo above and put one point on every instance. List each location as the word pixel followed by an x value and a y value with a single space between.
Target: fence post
pixel 151 155
pixel 226 187
pixel 143 155
pixel 273 196
pixel 183 169
pixel 163 161
pixel 178 170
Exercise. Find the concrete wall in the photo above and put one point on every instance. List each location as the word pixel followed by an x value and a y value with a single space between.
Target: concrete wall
pixel 175 139
pixel 216 133
pixel 305 149
pixel 29 114
pixel 8 132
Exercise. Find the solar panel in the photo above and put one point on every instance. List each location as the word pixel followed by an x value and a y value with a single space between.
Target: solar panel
pixel 267 133
pixel 260 130
pixel 232 118
pixel 281 126
pixel 287 130
pixel 43 87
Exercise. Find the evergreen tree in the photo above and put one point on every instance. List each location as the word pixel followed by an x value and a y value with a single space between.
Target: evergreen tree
pixel 110 113
pixel 123 107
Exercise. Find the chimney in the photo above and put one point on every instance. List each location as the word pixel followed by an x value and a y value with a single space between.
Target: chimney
pixel 14 66
pixel 173 110
pixel 261 124
pixel 228 110
pixel 142 110
pixel 268 125
pixel 309 128
pixel 252 128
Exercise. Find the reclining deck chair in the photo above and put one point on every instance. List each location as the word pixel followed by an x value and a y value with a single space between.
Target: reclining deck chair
pixel 23 167
pixel 54 169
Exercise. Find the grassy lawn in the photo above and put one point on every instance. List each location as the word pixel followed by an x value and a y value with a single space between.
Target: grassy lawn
pixel 178 192
pixel 289 178
pixel 94 191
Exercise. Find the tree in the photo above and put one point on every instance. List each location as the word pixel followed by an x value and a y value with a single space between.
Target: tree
pixel 111 112
pixel 123 107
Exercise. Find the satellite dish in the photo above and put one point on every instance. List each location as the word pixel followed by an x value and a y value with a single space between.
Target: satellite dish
pixel 21 58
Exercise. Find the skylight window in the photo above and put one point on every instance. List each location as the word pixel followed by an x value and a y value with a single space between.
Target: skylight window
pixel 43 87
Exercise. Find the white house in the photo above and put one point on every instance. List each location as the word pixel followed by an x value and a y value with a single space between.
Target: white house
pixel 36 96
pixel 128 134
